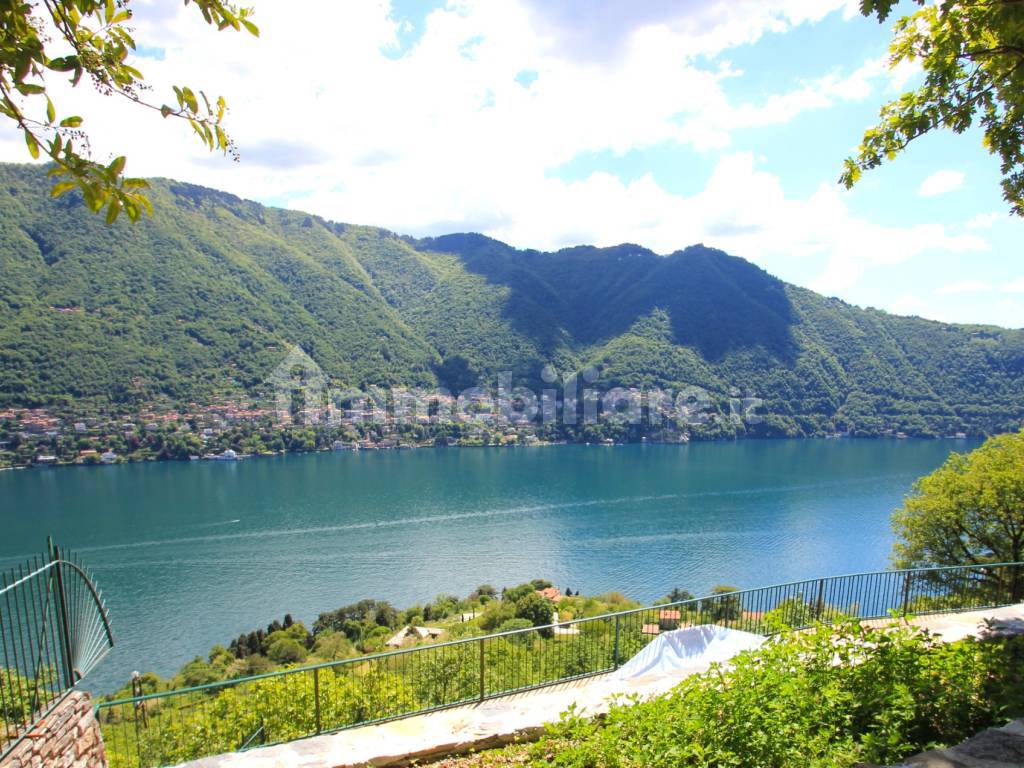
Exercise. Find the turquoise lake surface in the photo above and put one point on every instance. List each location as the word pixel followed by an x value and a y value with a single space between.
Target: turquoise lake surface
pixel 191 554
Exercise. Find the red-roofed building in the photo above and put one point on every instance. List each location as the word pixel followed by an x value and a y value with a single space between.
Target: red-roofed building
pixel 554 594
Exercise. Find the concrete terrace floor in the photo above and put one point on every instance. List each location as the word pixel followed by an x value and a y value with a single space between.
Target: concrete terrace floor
pixel 517 717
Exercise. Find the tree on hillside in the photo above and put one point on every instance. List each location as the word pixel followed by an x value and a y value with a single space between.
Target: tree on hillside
pixel 970 511
pixel 538 610
pixel 972 54
pixel 723 605
pixel 92 38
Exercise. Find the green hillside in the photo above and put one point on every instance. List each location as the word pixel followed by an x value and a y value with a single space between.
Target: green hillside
pixel 205 297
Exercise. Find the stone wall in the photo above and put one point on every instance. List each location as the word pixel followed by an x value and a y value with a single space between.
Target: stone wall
pixel 68 737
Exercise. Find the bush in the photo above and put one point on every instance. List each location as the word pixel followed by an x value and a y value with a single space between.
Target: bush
pixel 893 692
pixel 539 611
pixel 286 651
pixel 513 624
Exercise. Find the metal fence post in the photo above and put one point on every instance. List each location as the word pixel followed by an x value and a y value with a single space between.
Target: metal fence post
pixel 906 593
pixel 62 613
pixel 483 688
pixel 316 697
pixel 819 606
pixel 615 651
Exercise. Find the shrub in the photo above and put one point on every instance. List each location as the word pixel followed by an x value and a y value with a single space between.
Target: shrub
pixel 539 611
pixel 513 624
pixel 830 697
pixel 286 651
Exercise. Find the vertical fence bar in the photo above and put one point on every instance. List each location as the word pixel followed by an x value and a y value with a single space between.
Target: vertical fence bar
pixel 615 650
pixel 316 697
pixel 483 687
pixel 62 613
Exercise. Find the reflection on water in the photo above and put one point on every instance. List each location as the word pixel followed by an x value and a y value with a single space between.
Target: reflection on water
pixel 191 554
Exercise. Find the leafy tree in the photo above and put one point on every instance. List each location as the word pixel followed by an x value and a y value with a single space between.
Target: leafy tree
pixel 514 594
pixel 198 672
pixel 511 625
pixel 724 606
pixel 969 511
pixel 972 53
pixel 678 595
pixel 483 593
pixel 349 618
pixel 495 614
pixel 97 34
pixel 333 646
pixel 537 609
pixel 286 650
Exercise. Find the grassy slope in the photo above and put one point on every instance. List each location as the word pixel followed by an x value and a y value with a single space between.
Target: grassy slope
pixel 205 296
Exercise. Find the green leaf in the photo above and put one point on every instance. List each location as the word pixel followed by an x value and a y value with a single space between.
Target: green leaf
pixel 113 210
pixel 71 122
pixel 63 63
pixel 62 188
pixel 116 166
pixel 190 99
pixel 32 144
pixel 252 28
pixel 51 113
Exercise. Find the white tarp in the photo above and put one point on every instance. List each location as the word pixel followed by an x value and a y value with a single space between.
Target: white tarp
pixel 688 648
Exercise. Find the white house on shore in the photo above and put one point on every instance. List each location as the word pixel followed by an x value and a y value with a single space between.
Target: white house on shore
pixel 409 635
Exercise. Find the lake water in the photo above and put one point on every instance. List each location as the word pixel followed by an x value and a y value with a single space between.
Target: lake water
pixel 192 554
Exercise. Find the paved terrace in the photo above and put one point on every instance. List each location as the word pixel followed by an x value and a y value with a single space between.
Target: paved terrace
pixel 500 721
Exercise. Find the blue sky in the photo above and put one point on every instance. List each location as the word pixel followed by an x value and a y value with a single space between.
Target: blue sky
pixel 551 124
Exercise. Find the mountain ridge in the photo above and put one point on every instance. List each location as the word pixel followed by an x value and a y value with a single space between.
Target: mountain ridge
pixel 202 298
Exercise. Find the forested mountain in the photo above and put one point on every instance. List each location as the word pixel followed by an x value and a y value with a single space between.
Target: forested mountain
pixel 206 296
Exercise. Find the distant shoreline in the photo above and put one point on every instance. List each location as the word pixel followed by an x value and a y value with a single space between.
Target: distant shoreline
pixel 122 461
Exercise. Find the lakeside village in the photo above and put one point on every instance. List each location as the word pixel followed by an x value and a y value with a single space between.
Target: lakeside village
pixel 234 428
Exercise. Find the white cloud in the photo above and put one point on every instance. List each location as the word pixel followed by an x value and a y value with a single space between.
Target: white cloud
pixel 984 220
pixel 1007 313
pixel 443 138
pixel 588 31
pixel 911 305
pixel 1015 286
pixel 940 182
pixel 965 286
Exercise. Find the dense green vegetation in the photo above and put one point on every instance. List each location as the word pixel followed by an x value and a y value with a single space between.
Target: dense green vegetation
pixel 829 697
pixel 221 718
pixel 364 627
pixel 205 299
pixel 833 697
pixel 968 511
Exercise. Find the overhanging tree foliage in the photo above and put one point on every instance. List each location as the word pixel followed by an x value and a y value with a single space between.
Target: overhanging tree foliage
pixel 92 38
pixel 970 511
pixel 972 54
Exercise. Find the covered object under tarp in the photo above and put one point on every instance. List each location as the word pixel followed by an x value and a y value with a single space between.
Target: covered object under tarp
pixel 689 648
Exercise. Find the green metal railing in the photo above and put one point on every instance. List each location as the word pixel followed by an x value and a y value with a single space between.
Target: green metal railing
pixel 170 727
pixel 53 630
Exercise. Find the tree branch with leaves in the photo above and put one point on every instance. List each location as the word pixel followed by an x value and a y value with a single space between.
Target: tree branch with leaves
pixel 98 42
pixel 972 54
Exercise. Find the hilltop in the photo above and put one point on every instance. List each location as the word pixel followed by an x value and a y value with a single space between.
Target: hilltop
pixel 205 298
